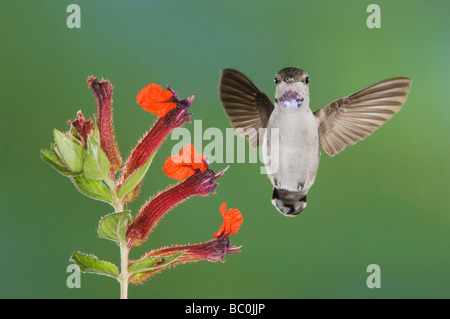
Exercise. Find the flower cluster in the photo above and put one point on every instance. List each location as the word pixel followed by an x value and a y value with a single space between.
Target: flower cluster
pixel 88 154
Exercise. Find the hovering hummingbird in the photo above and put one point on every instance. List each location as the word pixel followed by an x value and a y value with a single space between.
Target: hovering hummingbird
pixel 342 122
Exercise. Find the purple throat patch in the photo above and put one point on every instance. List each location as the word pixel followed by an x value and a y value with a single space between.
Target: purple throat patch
pixel 291 99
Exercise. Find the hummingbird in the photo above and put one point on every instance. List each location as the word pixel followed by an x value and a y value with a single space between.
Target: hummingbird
pixel 300 131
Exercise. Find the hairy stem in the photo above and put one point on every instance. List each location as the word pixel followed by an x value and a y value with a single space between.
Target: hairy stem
pixel 124 276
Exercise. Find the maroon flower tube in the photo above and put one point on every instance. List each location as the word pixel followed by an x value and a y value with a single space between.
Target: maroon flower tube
pixel 214 250
pixel 175 118
pixel 201 183
pixel 103 96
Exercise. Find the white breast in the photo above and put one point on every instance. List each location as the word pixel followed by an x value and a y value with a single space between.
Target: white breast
pixel 295 157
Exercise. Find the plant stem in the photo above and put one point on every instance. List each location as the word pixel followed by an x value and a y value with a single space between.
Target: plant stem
pixel 124 276
pixel 117 203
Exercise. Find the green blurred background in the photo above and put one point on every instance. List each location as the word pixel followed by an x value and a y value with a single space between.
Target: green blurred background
pixel 383 201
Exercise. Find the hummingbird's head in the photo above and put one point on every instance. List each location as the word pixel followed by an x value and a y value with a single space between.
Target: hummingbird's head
pixel 292 88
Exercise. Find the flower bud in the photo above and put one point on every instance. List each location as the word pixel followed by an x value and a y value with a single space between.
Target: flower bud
pixel 82 127
pixel 103 96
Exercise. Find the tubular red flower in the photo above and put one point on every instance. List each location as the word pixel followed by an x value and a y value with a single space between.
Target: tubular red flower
pixel 176 117
pixel 103 96
pixel 214 250
pixel 155 100
pixel 201 184
pixel 185 163
pixel 232 220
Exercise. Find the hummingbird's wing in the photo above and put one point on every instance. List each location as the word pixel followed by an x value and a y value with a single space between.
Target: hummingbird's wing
pixel 246 106
pixel 352 118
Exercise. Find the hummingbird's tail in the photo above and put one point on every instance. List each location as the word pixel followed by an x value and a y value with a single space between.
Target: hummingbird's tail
pixel 289 203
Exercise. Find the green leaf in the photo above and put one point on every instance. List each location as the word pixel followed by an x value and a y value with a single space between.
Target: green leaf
pixel 114 226
pixel 135 179
pixel 152 263
pixel 71 152
pixel 94 189
pixel 52 159
pixel 96 164
pixel 91 264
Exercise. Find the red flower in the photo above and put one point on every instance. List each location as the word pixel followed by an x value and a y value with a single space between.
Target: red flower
pixel 214 250
pixel 232 220
pixel 185 163
pixel 199 184
pixel 155 100
pixel 175 118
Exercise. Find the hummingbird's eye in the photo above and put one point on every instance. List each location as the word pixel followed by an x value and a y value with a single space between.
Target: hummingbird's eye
pixel 307 80
pixel 276 81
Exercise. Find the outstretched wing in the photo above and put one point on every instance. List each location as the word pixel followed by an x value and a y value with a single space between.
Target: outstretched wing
pixel 246 106
pixel 352 118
